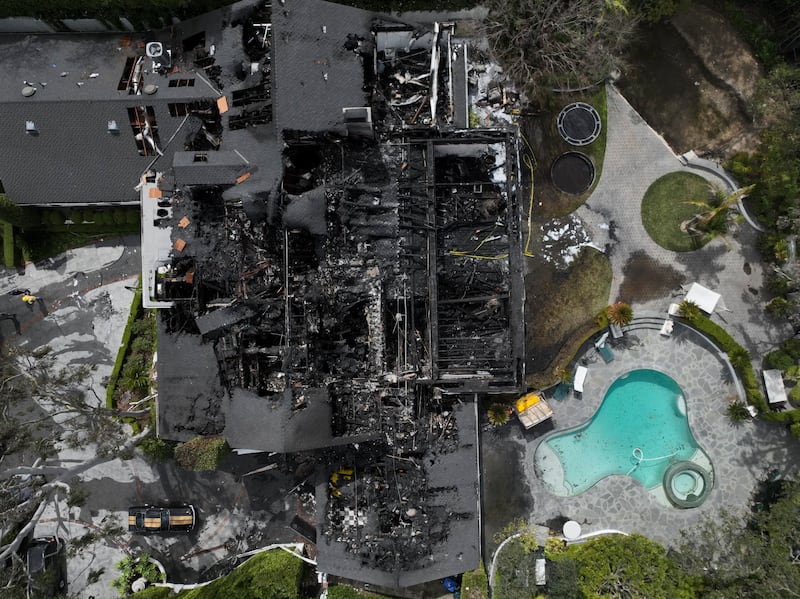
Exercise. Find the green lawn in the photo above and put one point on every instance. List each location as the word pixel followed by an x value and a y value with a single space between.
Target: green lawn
pixel 664 209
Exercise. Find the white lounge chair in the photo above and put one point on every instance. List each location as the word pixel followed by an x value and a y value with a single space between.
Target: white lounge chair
pixel 666 328
pixel 580 377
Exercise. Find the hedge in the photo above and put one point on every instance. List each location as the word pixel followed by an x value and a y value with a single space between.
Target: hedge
pixel 740 360
pixel 475 584
pixel 8 244
pixel 136 308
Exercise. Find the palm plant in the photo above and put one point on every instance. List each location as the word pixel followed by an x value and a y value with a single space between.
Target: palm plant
pixel 620 314
pixel 737 412
pixel 713 220
pixel 689 310
pixel 499 414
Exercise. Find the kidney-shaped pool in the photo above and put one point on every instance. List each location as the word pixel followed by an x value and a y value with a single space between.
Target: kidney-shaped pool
pixel 641 430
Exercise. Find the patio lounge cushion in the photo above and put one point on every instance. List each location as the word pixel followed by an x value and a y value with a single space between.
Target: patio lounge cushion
pixel 580 377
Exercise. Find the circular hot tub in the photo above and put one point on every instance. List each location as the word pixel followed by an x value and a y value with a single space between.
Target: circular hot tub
pixel 579 124
pixel 572 172
pixel 686 484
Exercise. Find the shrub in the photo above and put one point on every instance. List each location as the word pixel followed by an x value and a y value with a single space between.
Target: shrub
pixel 132 216
pixel 794 394
pixel 498 414
pixel 201 453
pixel 133 568
pixel 779 307
pixel 8 244
pixel 157 450
pixel 118 215
pixel 781 250
pixel 792 347
pixel 779 360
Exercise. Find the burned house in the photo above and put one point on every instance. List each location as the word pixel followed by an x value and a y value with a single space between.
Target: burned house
pixel 349 286
pixel 334 255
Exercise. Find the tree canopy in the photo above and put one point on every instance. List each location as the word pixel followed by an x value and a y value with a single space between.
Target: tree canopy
pixel 558 43
pixel 47 408
pixel 748 555
pixel 628 566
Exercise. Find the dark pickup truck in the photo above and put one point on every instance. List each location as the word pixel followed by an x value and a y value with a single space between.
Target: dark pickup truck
pixel 147 519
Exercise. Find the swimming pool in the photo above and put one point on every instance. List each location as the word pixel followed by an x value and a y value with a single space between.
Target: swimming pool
pixel 640 430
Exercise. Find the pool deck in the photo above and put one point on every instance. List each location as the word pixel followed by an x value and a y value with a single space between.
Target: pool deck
pixel 741 454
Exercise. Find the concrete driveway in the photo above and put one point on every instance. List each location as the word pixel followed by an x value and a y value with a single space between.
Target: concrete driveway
pixel 85 298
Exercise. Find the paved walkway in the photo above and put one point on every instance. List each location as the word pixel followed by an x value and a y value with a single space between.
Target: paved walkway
pixel 740 455
pixel 635 157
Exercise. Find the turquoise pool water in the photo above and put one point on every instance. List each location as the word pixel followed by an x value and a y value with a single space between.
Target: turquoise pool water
pixel 639 430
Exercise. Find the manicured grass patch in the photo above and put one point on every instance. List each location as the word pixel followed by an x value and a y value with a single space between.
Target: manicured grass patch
pixel 475 584
pixel 345 592
pixel 561 308
pixel 269 575
pixel 664 209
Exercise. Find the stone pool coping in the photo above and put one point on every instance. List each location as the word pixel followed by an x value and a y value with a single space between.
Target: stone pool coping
pixel 740 454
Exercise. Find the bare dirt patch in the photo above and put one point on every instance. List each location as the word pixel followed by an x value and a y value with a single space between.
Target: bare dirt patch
pixel 561 307
pixel 694 105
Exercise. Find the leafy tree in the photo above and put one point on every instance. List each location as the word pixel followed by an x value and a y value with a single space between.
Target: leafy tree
pixel 620 314
pixel 737 411
pixel 556 43
pixel 747 557
pixel 628 566
pixel 47 408
pixel 563 580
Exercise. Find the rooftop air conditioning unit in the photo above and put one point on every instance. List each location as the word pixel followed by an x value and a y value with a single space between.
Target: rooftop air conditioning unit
pixel 154 49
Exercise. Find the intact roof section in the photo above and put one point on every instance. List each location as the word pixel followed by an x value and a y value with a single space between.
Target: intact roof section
pixel 73 158
pixel 315 76
pixel 190 395
pixel 208 168
pixel 271 424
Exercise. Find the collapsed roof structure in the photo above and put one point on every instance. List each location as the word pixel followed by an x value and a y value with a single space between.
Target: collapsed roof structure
pixel 336 258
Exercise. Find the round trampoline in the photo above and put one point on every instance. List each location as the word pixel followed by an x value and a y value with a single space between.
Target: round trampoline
pixel 686 484
pixel 579 124
pixel 572 172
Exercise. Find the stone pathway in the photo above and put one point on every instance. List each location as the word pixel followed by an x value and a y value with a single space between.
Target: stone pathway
pixel 740 455
pixel 635 157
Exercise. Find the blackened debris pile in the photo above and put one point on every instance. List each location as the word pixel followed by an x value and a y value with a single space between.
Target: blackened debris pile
pixel 358 306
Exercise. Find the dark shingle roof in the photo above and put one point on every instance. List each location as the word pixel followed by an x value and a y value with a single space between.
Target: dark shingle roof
pixel 208 168
pixel 74 159
pixel 303 53
pixel 190 396
pixel 452 478
pixel 270 424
